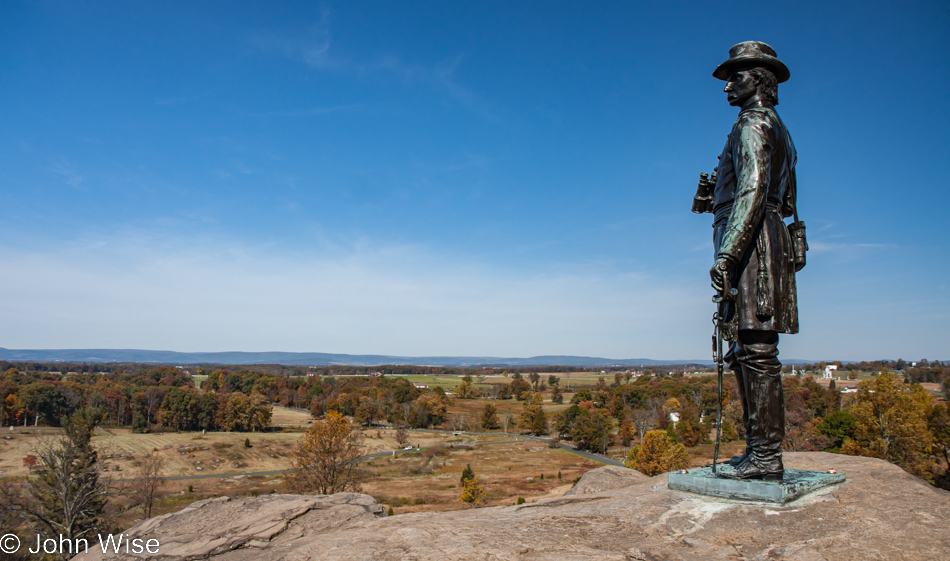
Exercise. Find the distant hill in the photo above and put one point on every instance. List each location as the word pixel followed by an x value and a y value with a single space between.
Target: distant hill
pixel 315 359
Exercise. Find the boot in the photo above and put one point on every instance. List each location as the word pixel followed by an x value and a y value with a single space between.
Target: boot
pixel 761 380
pixel 736 460
pixel 753 469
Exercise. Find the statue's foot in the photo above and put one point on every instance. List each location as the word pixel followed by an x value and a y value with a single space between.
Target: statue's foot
pixel 752 469
pixel 736 460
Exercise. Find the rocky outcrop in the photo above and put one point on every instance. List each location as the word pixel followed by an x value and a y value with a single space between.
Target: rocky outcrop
pixel 606 478
pixel 881 512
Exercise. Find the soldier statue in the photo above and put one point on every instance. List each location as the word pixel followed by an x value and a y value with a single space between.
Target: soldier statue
pixel 757 255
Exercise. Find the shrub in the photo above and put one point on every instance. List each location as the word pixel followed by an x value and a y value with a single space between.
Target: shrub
pixel 520 501
pixel 657 454
pixel 247 442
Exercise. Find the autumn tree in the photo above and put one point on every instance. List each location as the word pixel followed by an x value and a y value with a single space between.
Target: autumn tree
pixel 519 388
pixel 465 390
pixel 473 491
pixel 939 424
pixel 627 431
pixel 689 430
pixel 429 409
pixel 369 411
pixel 260 412
pixel 533 418
pixel 556 395
pixel 324 460
pixel 591 430
pixel 535 378
pixel 891 423
pixel 728 433
pixel 657 454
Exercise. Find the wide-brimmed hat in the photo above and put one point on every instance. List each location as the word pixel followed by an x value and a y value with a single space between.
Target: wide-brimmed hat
pixel 751 54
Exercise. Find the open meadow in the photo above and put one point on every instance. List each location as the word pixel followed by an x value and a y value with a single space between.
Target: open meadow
pixel 430 479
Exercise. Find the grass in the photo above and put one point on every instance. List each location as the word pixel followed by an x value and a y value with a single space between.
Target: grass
pixel 429 480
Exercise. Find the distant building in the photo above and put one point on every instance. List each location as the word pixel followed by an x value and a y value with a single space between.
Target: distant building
pixel 828 370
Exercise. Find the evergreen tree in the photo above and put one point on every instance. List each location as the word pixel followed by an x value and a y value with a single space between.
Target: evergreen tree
pixel 467 473
pixel 489 417
pixel 67 497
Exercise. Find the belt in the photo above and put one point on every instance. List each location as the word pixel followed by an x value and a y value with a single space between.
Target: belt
pixel 722 212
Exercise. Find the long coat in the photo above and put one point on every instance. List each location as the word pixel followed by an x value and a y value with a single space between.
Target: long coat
pixel 755 189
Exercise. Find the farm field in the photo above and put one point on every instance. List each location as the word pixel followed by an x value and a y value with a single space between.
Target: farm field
pixel 430 479
pixel 212 453
pixel 287 417
pixel 416 481
pixel 16 444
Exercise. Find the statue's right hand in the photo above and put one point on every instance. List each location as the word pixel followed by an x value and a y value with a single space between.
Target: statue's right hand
pixel 719 272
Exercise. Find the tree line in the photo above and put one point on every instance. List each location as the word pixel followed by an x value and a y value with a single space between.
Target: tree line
pixel 149 399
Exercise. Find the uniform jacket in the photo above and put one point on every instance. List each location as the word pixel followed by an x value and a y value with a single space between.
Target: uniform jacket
pixel 755 189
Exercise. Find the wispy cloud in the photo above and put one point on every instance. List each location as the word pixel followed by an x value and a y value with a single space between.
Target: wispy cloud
pixel 69 175
pixel 177 100
pixel 314 47
pixel 310 45
pixel 310 111
pixel 822 246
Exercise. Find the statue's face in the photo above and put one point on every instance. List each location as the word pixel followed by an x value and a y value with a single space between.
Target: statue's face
pixel 740 88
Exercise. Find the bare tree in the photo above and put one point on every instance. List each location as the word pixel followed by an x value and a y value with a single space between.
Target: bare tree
pixel 644 420
pixel 458 421
pixel 402 436
pixel 492 391
pixel 507 420
pixel 148 481
pixel 153 398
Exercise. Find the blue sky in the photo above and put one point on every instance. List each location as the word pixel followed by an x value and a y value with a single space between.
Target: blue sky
pixel 454 178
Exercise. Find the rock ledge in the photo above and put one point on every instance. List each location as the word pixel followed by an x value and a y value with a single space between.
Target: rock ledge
pixel 881 512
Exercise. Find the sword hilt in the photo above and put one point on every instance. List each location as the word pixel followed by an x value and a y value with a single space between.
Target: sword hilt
pixel 728 294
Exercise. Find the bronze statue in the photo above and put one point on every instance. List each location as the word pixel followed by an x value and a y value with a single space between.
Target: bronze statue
pixel 757 255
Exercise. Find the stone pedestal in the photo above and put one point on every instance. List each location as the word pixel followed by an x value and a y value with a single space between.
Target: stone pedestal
pixel 796 484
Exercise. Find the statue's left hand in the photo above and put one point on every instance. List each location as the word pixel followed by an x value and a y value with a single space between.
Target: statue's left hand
pixel 719 271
